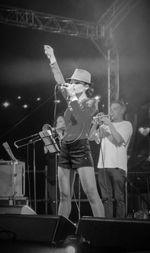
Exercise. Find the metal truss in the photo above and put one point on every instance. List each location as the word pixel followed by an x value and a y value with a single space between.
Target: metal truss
pixel 113 75
pixel 115 14
pixel 111 55
pixel 100 33
pixel 47 22
pixel 107 24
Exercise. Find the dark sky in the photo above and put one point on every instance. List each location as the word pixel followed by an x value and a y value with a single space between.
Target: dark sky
pixel 24 69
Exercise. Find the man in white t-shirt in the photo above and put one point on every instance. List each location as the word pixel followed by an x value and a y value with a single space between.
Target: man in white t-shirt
pixel 114 136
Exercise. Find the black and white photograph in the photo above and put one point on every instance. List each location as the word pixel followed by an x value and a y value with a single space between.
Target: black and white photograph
pixel 75 126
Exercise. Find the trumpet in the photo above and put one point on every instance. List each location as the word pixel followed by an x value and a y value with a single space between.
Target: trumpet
pixel 99 117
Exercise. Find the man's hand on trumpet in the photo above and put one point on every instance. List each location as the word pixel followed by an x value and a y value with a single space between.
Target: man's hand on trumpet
pixel 101 118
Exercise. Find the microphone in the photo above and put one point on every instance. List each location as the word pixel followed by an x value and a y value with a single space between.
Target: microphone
pixel 66 85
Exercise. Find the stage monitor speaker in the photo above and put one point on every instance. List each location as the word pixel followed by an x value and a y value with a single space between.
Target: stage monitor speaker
pixel 120 234
pixel 35 228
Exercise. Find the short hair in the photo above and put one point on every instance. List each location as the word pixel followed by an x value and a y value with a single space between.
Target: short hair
pixel 89 92
pixel 61 114
pixel 121 103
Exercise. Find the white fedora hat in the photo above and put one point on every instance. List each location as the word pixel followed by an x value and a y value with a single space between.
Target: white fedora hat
pixel 81 75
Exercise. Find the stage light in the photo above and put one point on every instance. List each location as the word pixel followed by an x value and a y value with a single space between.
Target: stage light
pixel 97 98
pixel 38 99
pixel 57 101
pixel 6 104
pixel 73 244
pixel 25 106
pixel 19 97
pixel 70 249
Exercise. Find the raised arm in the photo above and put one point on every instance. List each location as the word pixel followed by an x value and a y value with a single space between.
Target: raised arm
pixel 49 51
pixel 66 90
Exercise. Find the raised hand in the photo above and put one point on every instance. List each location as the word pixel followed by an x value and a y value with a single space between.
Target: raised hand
pixel 105 120
pixel 49 51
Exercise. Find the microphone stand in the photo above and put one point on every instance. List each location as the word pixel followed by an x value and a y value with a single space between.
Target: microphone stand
pixel 28 172
pixel 34 176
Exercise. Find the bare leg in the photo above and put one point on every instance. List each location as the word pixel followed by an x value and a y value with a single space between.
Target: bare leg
pixel 65 180
pixel 88 181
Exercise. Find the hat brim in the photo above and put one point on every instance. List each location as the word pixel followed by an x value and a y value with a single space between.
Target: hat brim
pixel 69 78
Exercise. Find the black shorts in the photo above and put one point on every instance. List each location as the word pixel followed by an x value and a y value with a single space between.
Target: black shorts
pixel 75 155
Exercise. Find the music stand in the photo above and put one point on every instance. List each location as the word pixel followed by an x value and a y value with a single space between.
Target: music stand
pixel 51 145
pixel 49 141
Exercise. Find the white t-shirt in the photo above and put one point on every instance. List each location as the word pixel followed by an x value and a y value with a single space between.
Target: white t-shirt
pixel 112 156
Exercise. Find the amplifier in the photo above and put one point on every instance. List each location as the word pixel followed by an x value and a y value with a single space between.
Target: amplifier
pixel 12 179
pixel 17 201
